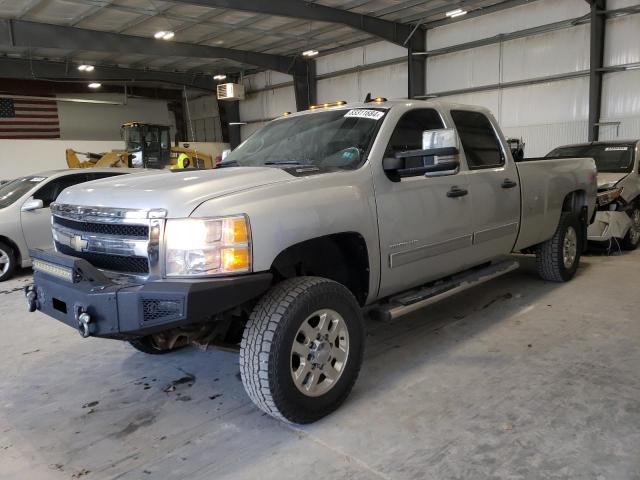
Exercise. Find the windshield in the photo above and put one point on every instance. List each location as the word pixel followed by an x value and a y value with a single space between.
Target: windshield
pixel 132 139
pixel 613 158
pixel 336 139
pixel 12 191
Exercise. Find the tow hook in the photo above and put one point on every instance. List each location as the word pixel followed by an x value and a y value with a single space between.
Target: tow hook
pixel 32 298
pixel 85 325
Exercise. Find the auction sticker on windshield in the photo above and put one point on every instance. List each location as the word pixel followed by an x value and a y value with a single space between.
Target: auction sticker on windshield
pixel 364 113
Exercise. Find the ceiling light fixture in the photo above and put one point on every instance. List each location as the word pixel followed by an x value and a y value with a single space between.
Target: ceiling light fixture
pixel 164 35
pixel 95 85
pixel 219 77
pixel 234 124
pixel 310 53
pixel 458 12
pixel 86 68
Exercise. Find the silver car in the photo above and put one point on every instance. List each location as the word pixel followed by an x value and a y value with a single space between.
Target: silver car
pixel 25 218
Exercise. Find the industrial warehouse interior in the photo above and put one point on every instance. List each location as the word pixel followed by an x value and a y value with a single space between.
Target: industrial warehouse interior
pixel 364 239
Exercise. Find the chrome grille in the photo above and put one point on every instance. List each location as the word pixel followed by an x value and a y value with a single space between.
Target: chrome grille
pixel 118 240
pixel 135 231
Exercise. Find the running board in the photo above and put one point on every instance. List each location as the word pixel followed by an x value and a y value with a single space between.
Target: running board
pixel 413 300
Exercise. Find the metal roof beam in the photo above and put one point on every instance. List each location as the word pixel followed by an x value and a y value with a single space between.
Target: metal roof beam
pixel 42 35
pixel 59 71
pixel 394 32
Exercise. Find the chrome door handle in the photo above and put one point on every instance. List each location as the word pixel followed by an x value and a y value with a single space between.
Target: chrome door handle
pixel 508 183
pixel 457 192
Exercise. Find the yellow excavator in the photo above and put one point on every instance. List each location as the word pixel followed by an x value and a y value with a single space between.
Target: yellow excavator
pixel 146 146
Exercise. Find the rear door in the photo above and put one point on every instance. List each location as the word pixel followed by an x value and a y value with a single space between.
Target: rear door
pixel 36 224
pixel 425 232
pixel 493 184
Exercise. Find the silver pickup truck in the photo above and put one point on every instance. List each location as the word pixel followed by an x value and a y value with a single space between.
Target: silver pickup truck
pixel 385 205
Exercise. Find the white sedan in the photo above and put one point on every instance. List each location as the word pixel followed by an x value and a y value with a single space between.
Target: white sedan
pixel 25 219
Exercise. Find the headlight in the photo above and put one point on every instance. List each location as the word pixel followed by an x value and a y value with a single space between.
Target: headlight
pixel 200 247
pixel 608 196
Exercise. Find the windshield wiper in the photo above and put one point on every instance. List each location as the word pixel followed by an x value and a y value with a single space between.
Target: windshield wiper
pixel 230 163
pixel 284 162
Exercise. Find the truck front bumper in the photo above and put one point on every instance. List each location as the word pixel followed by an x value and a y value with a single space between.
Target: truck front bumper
pixel 74 292
pixel 608 225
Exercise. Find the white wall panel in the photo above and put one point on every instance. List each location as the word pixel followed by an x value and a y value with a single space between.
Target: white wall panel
pixel 621 95
pixel 266 79
pixel 541 139
pixel 465 69
pixel 381 51
pixel 267 104
pixel 547 54
pixel 390 82
pixel 629 129
pixel 546 103
pixel 622 40
pixel 91 121
pixel 614 4
pixel 344 87
pixel 355 57
pixel 537 13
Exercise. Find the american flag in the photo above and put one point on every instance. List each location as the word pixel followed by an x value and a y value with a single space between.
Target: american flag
pixel 24 118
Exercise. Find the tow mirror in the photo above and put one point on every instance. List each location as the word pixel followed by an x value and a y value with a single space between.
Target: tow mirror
pixel 438 157
pixel 32 204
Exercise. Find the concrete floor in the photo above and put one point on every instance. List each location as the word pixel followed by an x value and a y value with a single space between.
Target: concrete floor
pixel 515 379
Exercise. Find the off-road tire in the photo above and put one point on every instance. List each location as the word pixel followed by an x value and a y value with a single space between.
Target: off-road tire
pixel 627 243
pixel 265 351
pixel 549 255
pixel 8 251
pixel 146 345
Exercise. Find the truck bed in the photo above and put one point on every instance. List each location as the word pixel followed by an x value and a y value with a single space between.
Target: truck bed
pixel 545 183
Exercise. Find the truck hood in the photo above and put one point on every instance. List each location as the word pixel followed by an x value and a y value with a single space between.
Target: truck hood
pixel 608 180
pixel 177 192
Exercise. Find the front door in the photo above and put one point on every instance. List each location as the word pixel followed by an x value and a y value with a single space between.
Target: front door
pixel 36 224
pixel 493 185
pixel 425 231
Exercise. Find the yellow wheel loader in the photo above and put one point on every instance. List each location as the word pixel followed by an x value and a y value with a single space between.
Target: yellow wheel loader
pixel 146 146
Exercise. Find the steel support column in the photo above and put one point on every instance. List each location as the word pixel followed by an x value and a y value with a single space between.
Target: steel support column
pixel 598 23
pixel 304 87
pixel 417 67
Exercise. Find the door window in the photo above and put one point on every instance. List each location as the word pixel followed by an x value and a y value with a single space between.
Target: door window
pixel 49 192
pixel 408 132
pixel 481 145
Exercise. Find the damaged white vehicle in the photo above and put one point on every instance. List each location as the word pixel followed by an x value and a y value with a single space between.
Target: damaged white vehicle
pixel 618 216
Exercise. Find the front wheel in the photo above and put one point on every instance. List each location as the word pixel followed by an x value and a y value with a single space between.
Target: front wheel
pixel 632 238
pixel 302 349
pixel 7 262
pixel 557 259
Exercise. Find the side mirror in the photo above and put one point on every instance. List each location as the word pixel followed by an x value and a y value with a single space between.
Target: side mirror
pixel 32 204
pixel 438 157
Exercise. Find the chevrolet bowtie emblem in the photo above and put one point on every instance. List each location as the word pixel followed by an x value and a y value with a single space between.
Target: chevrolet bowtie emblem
pixel 78 243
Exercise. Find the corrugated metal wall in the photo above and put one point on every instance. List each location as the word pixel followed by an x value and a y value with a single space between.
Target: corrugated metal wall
pixel 545 113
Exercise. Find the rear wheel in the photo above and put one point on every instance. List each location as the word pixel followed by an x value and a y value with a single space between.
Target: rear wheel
pixel 632 238
pixel 557 259
pixel 302 349
pixel 7 262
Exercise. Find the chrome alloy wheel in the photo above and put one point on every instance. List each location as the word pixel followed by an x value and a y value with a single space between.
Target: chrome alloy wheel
pixel 320 352
pixel 5 262
pixel 634 233
pixel 570 248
